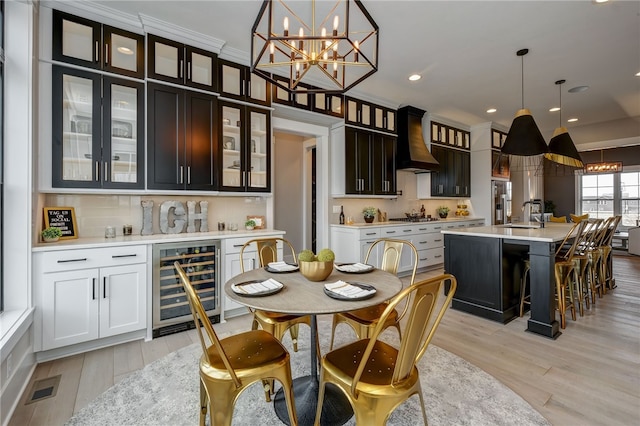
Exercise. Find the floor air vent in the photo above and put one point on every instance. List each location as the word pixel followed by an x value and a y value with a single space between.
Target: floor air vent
pixel 43 389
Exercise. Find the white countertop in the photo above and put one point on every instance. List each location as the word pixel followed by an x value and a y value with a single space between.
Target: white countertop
pixel 550 233
pixel 97 242
pixel 363 225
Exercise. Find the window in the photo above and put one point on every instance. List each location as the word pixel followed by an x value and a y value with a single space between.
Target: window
pixel 611 194
pixel 1 149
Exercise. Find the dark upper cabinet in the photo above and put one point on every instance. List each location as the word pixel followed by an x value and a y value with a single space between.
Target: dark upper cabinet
pixel 384 119
pixel 384 164
pixel 245 148
pixel 87 43
pixel 179 63
pixel 328 103
pixel 236 81
pixel 98 130
pixel 358 155
pixel 454 177
pixel 439 178
pixel 297 100
pixel 366 114
pixel 370 160
pixel 182 139
pixel 450 136
pixel 357 112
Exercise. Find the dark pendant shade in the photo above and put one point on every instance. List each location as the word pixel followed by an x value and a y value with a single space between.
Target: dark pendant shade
pixel 562 150
pixel 524 137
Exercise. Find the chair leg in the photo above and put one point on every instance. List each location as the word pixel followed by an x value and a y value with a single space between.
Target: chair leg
pixel 320 398
pixel 523 289
pixel 204 404
pixel 293 332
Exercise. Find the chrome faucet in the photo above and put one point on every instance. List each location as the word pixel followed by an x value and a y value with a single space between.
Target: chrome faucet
pixel 538 202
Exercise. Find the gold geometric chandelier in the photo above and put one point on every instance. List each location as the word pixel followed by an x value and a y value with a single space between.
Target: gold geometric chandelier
pixel 325 46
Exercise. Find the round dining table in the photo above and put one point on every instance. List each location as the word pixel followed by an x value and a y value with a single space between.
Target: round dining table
pixel 299 296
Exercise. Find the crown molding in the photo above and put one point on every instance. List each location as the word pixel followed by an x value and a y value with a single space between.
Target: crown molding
pixel 235 55
pixel 184 35
pixel 97 12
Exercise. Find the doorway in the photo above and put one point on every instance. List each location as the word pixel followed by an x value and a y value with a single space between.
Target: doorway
pixel 294 188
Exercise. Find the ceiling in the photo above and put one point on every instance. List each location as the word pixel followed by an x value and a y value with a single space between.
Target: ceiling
pixel 466 54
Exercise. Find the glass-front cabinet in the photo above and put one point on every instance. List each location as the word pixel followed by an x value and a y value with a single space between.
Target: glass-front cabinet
pixel 178 63
pixel 238 82
pixel 90 44
pixel 246 146
pixel 98 131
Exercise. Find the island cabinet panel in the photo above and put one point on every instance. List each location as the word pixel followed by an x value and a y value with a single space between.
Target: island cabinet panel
pixel 488 273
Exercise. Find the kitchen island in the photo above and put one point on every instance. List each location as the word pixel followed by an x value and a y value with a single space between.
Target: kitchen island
pixel 488 262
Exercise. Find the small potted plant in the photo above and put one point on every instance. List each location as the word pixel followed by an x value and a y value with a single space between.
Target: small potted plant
pixel 51 234
pixel 369 214
pixel 443 211
pixel 250 224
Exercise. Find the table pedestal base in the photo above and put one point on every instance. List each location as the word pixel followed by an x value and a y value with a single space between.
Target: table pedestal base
pixel 336 409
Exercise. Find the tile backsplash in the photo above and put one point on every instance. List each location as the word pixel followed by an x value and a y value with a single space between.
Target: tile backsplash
pixel 95 212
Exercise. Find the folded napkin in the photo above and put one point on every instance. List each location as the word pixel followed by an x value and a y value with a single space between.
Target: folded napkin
pixel 257 287
pixel 347 290
pixel 353 267
pixel 282 266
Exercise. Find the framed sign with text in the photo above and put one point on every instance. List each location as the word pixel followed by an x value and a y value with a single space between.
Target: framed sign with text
pixel 63 218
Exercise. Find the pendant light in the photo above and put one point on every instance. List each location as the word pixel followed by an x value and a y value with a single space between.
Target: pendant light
pixel 524 137
pixel 561 147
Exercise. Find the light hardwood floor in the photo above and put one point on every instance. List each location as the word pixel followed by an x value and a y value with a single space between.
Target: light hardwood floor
pixel 590 375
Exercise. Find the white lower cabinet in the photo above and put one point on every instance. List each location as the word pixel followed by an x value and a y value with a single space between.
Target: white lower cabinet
pixel 232 268
pixel 350 244
pixel 82 300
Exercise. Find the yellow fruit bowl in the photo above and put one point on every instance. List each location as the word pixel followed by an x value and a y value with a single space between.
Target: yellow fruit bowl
pixel 316 271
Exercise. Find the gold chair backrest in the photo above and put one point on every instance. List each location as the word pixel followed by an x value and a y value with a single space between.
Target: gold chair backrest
pixel 267 250
pixel 392 254
pixel 202 322
pixel 611 226
pixel 590 233
pixel 571 241
pixel 420 328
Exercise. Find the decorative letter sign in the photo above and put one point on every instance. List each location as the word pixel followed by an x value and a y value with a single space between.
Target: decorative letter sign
pixel 173 212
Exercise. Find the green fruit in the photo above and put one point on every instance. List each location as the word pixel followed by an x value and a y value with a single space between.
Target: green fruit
pixel 326 255
pixel 306 256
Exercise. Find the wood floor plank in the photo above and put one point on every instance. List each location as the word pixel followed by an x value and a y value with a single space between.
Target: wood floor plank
pixel 96 377
pixel 127 358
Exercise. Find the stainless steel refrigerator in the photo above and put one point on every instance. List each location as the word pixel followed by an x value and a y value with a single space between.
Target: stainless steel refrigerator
pixel 501 202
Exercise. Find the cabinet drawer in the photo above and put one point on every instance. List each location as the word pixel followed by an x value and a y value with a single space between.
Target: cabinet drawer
pixel 369 234
pixel 399 232
pixel 430 257
pixel 233 245
pixel 92 258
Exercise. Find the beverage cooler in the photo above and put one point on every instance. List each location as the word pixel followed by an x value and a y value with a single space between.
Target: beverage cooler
pixel 200 261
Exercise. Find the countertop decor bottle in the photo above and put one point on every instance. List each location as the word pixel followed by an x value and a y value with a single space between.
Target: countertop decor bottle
pixel 422 211
pixel 341 215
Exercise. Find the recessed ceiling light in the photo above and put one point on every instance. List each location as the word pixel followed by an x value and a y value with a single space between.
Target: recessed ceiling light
pixel 125 50
pixel 554 109
pixel 601 1
pixel 638 74
pixel 578 89
pixel 415 77
pixel 572 120
pixel 491 110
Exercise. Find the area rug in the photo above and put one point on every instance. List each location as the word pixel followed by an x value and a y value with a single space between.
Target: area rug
pixel 165 392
